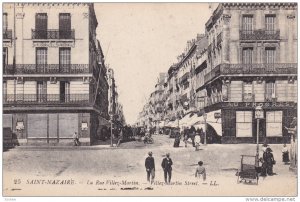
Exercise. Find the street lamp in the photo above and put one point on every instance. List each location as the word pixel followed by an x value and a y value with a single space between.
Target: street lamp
pixel 259 114
pixel 205 126
pixel 111 129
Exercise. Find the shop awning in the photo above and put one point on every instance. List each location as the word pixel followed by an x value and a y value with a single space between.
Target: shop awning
pixel 199 126
pixel 217 127
pixel 215 123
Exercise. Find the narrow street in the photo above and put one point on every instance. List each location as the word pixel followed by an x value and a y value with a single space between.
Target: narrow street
pixel 127 163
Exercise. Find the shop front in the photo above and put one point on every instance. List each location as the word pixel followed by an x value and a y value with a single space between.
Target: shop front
pixel 240 126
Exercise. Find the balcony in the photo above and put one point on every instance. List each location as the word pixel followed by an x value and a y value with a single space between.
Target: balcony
pixel 47 69
pixel 255 69
pixel 55 34
pixel 7 34
pixel 47 99
pixel 258 35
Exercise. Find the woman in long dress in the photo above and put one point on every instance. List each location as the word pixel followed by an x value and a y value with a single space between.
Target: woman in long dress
pixel 285 154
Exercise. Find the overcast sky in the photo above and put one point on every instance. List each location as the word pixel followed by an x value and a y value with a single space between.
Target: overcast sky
pixel 140 40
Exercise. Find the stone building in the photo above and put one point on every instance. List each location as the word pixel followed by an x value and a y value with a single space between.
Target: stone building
pixel 252 61
pixel 54 77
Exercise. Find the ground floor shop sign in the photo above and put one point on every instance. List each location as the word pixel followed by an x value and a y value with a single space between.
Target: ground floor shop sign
pixel 264 105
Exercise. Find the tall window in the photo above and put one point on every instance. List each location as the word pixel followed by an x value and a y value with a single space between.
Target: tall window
pixel 41 25
pixel 247 55
pixel 274 123
pixel 41 59
pixel 270 24
pixel 270 90
pixel 4 90
pixel 4 21
pixel 247 94
pixel 244 123
pixel 247 26
pixel 64 25
pixel 41 91
pixel 64 59
pixel 270 55
pixel 5 56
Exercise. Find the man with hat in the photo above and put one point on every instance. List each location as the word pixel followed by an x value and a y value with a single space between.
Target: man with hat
pixel 167 166
pixel 150 167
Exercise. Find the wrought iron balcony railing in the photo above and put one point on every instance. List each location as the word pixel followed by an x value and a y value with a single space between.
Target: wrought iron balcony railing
pixel 256 69
pixel 47 99
pixel 259 34
pixel 7 34
pixel 47 69
pixel 52 34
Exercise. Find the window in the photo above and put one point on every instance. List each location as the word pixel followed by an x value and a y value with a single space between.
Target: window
pixel 5 56
pixel 64 25
pixel 4 21
pixel 41 91
pixel 247 95
pixel 247 26
pixel 274 123
pixel 41 25
pixel 247 55
pixel 64 59
pixel 270 55
pixel 4 90
pixel 270 24
pixel 41 58
pixel 270 91
pixel 243 123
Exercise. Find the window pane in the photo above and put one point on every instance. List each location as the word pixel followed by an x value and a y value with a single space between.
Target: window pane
pixel 248 116
pixel 270 117
pixel 240 117
pixel 278 116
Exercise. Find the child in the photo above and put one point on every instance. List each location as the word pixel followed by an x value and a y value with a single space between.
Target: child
pixel 200 170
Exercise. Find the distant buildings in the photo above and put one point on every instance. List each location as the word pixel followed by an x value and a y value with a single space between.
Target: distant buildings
pixel 247 58
pixel 54 76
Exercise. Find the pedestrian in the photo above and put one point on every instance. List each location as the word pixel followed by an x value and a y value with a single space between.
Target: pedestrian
pixel 269 159
pixel 120 137
pixel 285 154
pixel 192 132
pixel 167 167
pixel 76 139
pixel 185 136
pixel 197 142
pixel 150 167
pixel 200 171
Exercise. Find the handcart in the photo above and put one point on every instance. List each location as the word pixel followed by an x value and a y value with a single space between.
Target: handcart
pixel 249 169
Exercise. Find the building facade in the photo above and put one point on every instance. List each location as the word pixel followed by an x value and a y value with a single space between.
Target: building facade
pixel 54 77
pixel 246 59
pixel 252 61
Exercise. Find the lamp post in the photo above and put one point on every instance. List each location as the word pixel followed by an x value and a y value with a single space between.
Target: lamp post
pixel 259 114
pixel 205 127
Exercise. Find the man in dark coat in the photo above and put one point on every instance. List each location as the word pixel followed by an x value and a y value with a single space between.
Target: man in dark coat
pixel 192 135
pixel 269 159
pixel 150 167
pixel 167 166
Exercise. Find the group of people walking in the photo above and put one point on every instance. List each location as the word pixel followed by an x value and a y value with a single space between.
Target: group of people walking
pixel 166 165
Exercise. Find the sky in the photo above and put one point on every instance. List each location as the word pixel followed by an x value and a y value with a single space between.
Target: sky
pixel 140 40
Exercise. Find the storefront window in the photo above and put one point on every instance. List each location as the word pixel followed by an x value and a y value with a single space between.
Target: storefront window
pixel 243 123
pixel 274 123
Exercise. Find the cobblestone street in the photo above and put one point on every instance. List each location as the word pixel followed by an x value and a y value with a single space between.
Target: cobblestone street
pixel 104 169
